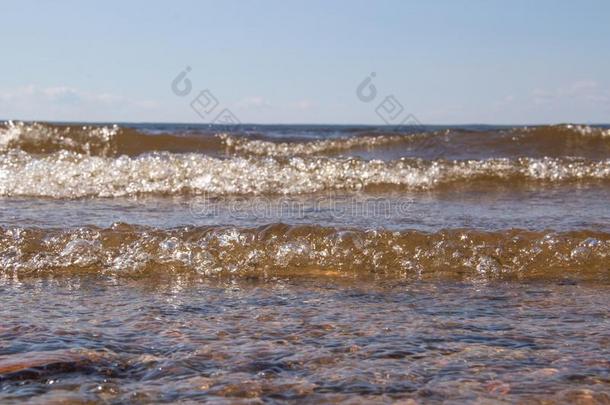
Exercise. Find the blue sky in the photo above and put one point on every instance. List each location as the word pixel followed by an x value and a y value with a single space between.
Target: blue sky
pixel 446 62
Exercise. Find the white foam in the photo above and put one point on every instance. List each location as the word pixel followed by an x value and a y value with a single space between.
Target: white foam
pixel 80 139
pixel 71 175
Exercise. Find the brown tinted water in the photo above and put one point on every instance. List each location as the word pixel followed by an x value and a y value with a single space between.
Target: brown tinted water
pixel 176 263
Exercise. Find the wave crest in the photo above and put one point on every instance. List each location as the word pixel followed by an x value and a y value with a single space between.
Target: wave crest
pixel 554 141
pixel 72 175
pixel 280 249
pixel 38 138
pixel 48 138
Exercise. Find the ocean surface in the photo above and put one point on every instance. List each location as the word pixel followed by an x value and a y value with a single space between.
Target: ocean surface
pixel 339 264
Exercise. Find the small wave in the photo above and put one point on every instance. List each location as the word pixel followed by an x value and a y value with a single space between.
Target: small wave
pixel 566 130
pixel 552 138
pixel 286 149
pixel 279 249
pixel 47 138
pixel 72 175
pixel 553 141
pixel 38 138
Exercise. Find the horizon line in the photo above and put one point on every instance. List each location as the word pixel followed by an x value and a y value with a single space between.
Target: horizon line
pixel 44 121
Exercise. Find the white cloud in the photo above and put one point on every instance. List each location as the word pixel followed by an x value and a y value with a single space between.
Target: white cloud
pixel 54 94
pixel 583 90
pixel 70 104
pixel 254 102
pixel 304 105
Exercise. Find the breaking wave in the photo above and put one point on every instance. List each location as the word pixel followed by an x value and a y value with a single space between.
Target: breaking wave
pixel 73 175
pixel 279 249
pixel 38 138
pixel 554 141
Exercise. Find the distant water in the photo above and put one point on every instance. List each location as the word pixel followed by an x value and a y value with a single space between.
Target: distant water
pixel 175 262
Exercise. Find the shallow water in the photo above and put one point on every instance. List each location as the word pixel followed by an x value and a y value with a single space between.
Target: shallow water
pixel 560 208
pixel 303 339
pixel 184 263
